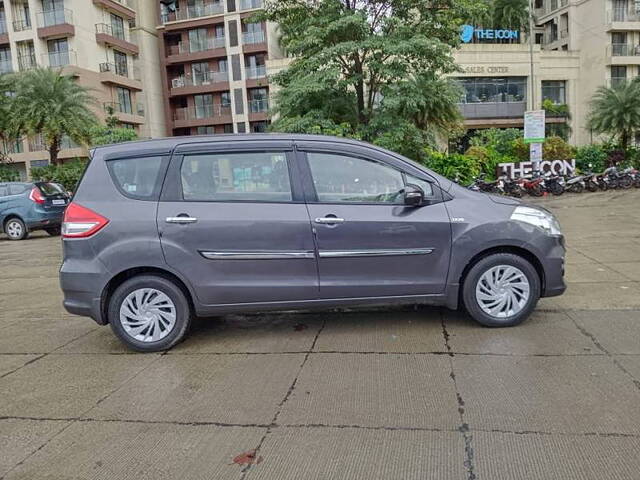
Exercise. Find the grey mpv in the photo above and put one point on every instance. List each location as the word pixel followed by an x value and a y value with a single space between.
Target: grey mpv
pixel 164 230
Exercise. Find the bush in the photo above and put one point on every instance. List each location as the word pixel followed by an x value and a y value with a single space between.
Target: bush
pixel 8 174
pixel 453 166
pixel 555 148
pixel 499 139
pixel 68 174
pixel 593 155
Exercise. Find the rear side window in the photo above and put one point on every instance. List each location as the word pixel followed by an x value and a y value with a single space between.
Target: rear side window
pixel 17 189
pixel 251 176
pixel 137 178
pixel 50 189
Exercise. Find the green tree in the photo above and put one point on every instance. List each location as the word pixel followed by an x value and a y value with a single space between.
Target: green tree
pixel 110 132
pixel 52 104
pixel 511 14
pixel 616 111
pixel 358 64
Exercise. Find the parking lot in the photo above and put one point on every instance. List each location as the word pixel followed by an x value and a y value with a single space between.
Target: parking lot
pixel 386 394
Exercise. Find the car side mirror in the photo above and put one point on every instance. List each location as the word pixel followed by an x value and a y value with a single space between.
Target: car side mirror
pixel 413 195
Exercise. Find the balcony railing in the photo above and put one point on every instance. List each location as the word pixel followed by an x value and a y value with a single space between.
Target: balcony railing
pixel 493 109
pixel 6 66
pixel 27 62
pixel 622 15
pixel 259 71
pixel 126 3
pixel 59 59
pixel 258 106
pixel 206 78
pixel 55 17
pixel 617 81
pixel 129 109
pixel 121 69
pixel 116 32
pixel 251 4
pixel 38 144
pixel 210 43
pixel 20 25
pixel 197 113
pixel 249 38
pixel 623 50
pixel 194 11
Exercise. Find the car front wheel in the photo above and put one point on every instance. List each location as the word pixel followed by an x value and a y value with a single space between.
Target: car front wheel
pixel 149 313
pixel 501 290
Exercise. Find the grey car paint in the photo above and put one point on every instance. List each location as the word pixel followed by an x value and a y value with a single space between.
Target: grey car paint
pixel 227 261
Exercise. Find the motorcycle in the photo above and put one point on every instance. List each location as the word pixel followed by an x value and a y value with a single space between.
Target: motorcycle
pixel 591 181
pixel 534 186
pixel 576 184
pixel 617 179
pixel 509 186
pixel 554 183
pixel 480 185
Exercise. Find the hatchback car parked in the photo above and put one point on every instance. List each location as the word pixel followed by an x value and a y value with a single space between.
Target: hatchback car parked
pixel 164 230
pixel 25 207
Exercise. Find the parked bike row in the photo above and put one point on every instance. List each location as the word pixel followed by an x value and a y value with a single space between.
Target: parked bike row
pixel 540 183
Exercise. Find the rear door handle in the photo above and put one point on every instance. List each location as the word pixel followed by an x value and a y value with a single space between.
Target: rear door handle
pixel 181 220
pixel 329 220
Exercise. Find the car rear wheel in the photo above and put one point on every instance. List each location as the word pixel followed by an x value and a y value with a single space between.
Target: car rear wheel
pixel 16 229
pixel 501 290
pixel 149 313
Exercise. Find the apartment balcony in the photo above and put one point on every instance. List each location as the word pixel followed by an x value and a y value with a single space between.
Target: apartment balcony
pixel 27 62
pixel 259 71
pixel 258 110
pixel 21 25
pixel 196 117
pixel 623 19
pixel 254 41
pixel 189 52
pixel 6 66
pixel 59 59
pixel 37 143
pixel 126 113
pixel 55 23
pixel 202 83
pixel 623 54
pixel 194 12
pixel 251 4
pixel 121 7
pixel 121 75
pixel 119 38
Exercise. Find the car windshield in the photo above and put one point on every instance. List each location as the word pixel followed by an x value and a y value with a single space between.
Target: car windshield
pixel 50 189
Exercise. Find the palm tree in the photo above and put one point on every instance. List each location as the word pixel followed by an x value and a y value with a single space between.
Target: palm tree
pixel 616 111
pixel 52 104
pixel 7 132
pixel 513 14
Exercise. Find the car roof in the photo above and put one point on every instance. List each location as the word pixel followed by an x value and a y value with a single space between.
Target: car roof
pixel 170 143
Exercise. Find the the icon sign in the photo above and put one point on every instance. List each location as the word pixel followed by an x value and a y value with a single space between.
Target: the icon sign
pixel 467 32
pixel 466 35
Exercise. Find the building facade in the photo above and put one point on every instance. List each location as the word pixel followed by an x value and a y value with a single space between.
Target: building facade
pixel 213 55
pixel 109 46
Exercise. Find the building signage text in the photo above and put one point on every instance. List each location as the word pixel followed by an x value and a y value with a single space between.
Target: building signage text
pixel 525 169
pixel 483 69
pixel 469 32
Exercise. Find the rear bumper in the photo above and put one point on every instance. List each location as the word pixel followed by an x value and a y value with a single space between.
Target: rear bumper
pixel 44 219
pixel 82 284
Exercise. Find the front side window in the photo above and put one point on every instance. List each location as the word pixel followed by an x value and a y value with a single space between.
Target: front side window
pixel 343 179
pixel 137 177
pixel 220 177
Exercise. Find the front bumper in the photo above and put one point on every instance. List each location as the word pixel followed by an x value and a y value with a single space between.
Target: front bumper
pixel 554 267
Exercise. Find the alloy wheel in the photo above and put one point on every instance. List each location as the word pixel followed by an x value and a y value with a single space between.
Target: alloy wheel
pixel 14 229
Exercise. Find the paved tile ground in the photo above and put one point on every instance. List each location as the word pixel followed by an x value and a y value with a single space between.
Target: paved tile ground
pixel 387 394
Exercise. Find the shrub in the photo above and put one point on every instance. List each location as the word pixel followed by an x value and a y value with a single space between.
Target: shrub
pixel 555 148
pixel 593 155
pixel 67 174
pixel 453 166
pixel 499 139
pixel 8 174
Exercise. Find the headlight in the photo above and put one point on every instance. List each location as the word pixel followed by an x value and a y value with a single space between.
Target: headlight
pixel 538 218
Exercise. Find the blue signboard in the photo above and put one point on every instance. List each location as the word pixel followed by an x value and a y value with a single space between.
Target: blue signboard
pixel 468 32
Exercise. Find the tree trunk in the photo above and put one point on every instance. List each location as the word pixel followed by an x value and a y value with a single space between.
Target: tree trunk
pixel 54 149
pixel 624 140
pixel 360 91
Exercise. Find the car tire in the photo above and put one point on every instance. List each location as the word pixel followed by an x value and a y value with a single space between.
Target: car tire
pixel 149 313
pixel 53 231
pixel 15 229
pixel 502 303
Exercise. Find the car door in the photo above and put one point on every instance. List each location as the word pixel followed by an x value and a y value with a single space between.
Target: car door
pixel 370 244
pixel 232 220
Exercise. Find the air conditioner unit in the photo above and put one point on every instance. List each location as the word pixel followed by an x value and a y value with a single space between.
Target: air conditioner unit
pixel 177 82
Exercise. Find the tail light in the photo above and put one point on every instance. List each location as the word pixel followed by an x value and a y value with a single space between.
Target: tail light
pixel 81 222
pixel 36 196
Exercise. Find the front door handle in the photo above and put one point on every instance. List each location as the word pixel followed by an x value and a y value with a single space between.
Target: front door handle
pixel 181 219
pixel 329 220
